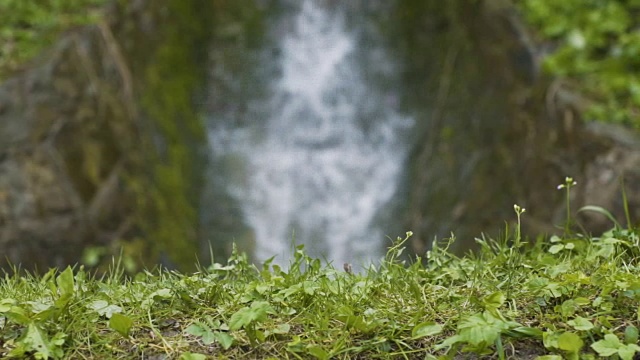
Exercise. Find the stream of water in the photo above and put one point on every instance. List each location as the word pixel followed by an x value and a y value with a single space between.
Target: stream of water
pixel 319 160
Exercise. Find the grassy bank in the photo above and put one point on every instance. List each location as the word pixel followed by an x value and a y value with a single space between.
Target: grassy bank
pixel 568 297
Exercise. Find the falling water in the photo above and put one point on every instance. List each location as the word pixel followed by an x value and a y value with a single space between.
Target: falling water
pixel 317 160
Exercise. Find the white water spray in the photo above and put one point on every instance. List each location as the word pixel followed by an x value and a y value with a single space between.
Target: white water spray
pixel 324 154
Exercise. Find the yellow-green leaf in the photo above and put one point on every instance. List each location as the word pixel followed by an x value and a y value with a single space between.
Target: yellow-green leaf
pixel 428 328
pixel 570 342
pixel 121 323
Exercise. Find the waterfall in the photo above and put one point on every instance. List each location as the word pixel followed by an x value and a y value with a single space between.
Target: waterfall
pixel 317 160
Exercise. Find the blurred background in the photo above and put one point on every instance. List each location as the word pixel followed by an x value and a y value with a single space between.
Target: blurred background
pixel 164 132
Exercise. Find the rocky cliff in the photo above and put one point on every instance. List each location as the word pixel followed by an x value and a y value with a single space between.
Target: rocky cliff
pixel 496 131
pixel 98 139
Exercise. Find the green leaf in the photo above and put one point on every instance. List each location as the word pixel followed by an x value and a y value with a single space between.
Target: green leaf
pixel 568 308
pixel 524 331
pixel 35 340
pixel 158 295
pixel 241 318
pixel 40 305
pixel 550 339
pixel 570 342
pixel 310 287
pixel 15 314
pixel 494 300
pixel 255 334
pixel 426 329
pixel 627 352
pixel 601 211
pixel 483 329
pixel 295 345
pixel 204 331
pixel 121 323
pixel 318 352
pixel 580 323
pixel 556 248
pixel 208 337
pixel 281 329
pixel 294 289
pixel 6 304
pixel 104 309
pixel 448 342
pixel 65 282
pixel 224 339
pixel 65 288
pixel 197 329
pixel 607 346
pixel 162 294
pixel 631 335
pixel 263 288
pixel 549 357
pixel 357 322
pixel 248 315
pixel 192 356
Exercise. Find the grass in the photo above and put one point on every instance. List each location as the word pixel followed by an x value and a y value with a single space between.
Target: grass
pixel 569 297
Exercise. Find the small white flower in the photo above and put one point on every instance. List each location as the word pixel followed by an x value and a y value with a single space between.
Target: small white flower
pixel 568 182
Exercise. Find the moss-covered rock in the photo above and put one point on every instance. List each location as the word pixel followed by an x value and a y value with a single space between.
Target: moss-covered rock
pixel 493 131
pixel 99 139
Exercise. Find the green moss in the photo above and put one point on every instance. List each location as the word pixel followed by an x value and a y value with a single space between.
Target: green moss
pixel 27 27
pixel 169 215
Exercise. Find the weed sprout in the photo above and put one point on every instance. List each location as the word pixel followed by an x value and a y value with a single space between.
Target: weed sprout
pixel 568 184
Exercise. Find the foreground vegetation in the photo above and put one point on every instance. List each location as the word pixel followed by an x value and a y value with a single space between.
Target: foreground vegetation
pixel 569 297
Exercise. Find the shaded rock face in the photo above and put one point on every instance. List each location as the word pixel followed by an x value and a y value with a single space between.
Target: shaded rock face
pixel 66 129
pixel 98 137
pixel 617 166
pixel 495 132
